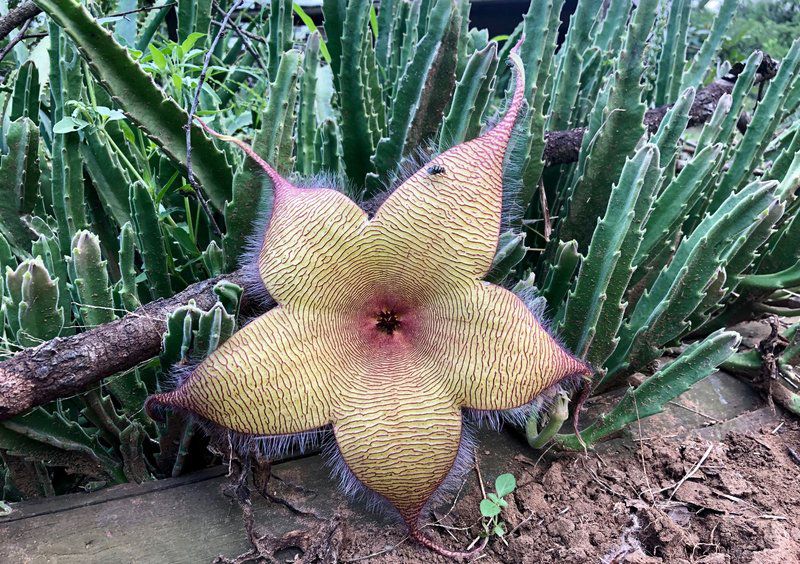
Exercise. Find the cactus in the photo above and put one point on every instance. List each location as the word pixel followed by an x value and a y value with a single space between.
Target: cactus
pixel 67 184
pixel 356 135
pixel 193 17
pixel 510 252
pixel 571 57
pixel 307 125
pixel 694 364
pixel 469 98
pixel 437 92
pixel 536 51
pixel 110 177
pixel 25 98
pixel 20 434
pixel 19 176
pixel 660 315
pixel 159 116
pixel 91 280
pixel 765 120
pixel 594 310
pixel 673 53
pixel 389 150
pixel 151 240
pixel 194 334
pixel 327 153
pixel 618 135
pixel 698 67
pixel 32 307
pixel 251 191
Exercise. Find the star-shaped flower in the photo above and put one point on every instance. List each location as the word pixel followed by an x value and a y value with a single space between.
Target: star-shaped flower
pixel 384 329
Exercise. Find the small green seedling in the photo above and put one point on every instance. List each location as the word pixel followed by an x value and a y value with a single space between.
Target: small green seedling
pixel 494 503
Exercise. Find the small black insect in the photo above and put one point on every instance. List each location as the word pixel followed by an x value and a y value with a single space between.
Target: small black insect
pixel 436 169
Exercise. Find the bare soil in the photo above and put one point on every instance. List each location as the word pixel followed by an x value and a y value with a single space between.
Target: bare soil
pixel 647 501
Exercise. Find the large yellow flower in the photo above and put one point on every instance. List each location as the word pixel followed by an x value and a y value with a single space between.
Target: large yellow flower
pixel 384 329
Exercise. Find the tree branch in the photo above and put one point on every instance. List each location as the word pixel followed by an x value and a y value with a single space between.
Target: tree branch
pixel 18 16
pixel 68 365
pixel 562 147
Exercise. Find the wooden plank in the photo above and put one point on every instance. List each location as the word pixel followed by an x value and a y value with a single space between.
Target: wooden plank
pixel 187 519
pixel 179 520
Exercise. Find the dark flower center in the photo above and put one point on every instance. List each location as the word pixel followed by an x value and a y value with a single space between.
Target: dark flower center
pixel 386 321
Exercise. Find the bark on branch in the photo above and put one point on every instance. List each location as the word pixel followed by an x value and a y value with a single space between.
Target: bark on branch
pixel 68 365
pixel 18 16
pixel 65 366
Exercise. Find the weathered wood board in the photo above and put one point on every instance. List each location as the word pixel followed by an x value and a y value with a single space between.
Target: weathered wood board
pixel 175 520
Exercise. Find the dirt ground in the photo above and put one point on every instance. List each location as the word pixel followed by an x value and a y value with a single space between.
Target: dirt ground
pixel 648 501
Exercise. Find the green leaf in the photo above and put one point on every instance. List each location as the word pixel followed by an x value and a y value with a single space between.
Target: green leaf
pixel 109 114
pixel 489 509
pixel 159 60
pixel 505 484
pixel 694 364
pixel 312 27
pixel 191 40
pixel 68 125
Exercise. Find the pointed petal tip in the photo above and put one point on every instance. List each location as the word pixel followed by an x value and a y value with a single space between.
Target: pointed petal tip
pixel 516 107
pixel 515 50
pixel 157 404
pixel 417 534
pixel 278 181
pixel 584 368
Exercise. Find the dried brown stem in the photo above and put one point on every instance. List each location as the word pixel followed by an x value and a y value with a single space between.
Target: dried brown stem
pixel 201 196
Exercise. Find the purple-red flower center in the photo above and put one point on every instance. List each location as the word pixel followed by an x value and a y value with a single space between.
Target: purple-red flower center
pixel 387 321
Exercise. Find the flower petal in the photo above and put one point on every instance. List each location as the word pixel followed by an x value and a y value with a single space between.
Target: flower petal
pixel 307 230
pixel 307 234
pixel 400 438
pixel 270 378
pixel 493 349
pixel 447 215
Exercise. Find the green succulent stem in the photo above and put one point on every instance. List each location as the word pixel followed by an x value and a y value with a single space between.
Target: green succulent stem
pixel 557 414
pixel 695 363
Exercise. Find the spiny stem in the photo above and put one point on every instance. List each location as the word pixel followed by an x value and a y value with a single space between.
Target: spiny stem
pixel 245 37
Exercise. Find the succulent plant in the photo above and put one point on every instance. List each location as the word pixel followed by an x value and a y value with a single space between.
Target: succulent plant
pixel 637 203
